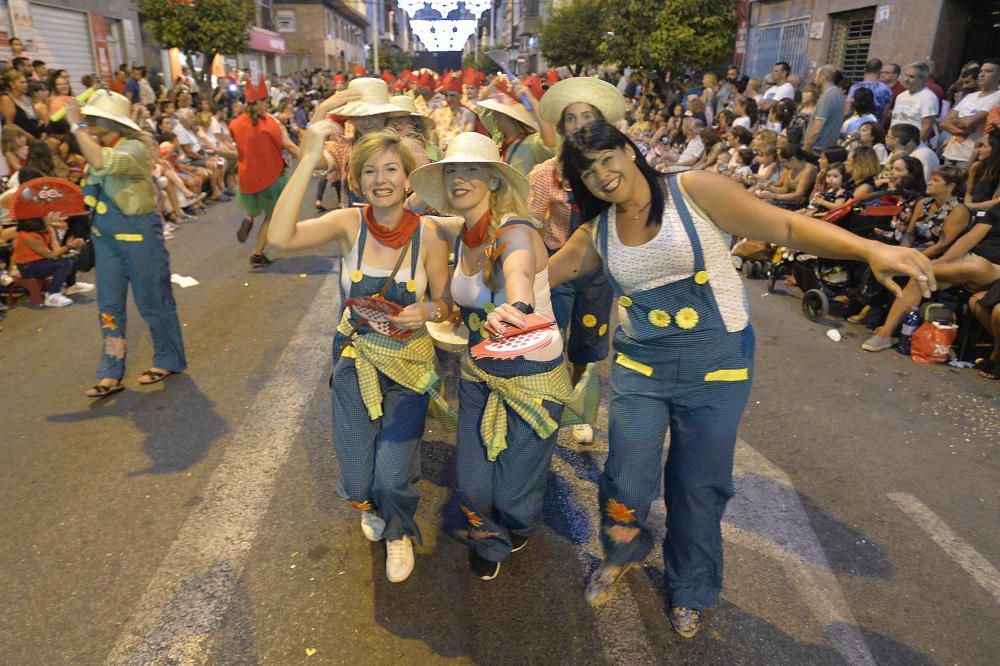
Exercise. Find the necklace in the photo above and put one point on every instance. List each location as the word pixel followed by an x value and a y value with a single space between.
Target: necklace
pixel 638 212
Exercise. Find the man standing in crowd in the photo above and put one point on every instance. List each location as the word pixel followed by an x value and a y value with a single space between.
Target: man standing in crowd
pixel 132 86
pixel 917 105
pixel 824 130
pixel 890 77
pixel 882 92
pixel 781 89
pixel 966 120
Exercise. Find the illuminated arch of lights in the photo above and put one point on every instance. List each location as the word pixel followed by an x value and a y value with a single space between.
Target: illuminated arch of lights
pixel 445 34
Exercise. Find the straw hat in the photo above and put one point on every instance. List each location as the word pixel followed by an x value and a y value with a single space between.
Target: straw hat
pixel 110 105
pixel 513 110
pixel 599 94
pixel 465 148
pixel 405 103
pixel 374 99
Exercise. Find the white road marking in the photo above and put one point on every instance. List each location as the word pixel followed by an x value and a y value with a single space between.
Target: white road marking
pixel 964 555
pixel 188 595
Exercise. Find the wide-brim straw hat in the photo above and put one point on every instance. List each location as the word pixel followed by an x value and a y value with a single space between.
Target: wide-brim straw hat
pixel 110 105
pixel 513 110
pixel 374 99
pixel 465 148
pixel 405 103
pixel 589 89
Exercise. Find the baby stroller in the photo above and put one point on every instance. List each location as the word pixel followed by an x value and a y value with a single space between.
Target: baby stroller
pixel 834 285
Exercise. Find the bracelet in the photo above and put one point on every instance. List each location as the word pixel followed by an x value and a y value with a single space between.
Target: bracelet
pixel 435 312
pixel 78 126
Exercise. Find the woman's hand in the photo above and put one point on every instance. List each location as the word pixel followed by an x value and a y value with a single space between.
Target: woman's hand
pixel 73 115
pixel 317 135
pixel 328 105
pixel 504 313
pixel 413 316
pixel 54 219
pixel 74 243
pixel 888 261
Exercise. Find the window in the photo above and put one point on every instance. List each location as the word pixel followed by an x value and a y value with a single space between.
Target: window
pixel 850 37
pixel 777 42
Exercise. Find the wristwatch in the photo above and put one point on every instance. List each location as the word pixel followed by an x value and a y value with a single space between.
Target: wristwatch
pixel 78 126
pixel 523 307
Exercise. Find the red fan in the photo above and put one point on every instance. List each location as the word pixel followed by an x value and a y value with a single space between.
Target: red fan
pixel 39 196
pixel 511 341
pixel 376 312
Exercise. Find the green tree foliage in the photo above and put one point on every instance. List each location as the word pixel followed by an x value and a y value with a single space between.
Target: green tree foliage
pixel 392 59
pixel 207 27
pixel 572 34
pixel 668 35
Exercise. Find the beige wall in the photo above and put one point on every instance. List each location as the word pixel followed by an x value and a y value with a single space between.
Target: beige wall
pixel 310 37
pixel 916 29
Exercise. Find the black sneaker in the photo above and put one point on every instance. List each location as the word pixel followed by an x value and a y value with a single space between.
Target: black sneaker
pixel 259 260
pixel 518 542
pixel 685 621
pixel 483 568
pixel 244 231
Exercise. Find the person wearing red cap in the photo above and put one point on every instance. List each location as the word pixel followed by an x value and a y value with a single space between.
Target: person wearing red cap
pixel 424 96
pixel 452 119
pixel 259 141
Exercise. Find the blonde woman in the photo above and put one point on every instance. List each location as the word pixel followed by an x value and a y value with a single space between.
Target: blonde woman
pixel 509 409
pixel 381 385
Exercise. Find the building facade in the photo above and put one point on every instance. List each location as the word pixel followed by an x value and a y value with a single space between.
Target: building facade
pixel 323 34
pixel 847 33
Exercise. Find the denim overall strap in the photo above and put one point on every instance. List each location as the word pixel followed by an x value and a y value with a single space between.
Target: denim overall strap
pixel 685 214
pixel 362 237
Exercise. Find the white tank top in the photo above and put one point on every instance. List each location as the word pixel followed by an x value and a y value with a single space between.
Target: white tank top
pixel 349 262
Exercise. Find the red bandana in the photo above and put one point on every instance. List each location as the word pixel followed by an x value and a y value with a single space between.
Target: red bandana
pixel 397 236
pixel 505 146
pixel 476 236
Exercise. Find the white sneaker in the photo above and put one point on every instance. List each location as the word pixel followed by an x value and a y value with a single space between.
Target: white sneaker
pixel 398 559
pixel 79 288
pixel 583 433
pixel 169 227
pixel 57 301
pixel 372 525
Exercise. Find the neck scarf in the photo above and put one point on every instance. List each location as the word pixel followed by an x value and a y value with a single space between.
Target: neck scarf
pixel 476 236
pixel 394 237
pixel 505 146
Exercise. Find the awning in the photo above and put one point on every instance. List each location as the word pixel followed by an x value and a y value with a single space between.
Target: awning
pixel 264 40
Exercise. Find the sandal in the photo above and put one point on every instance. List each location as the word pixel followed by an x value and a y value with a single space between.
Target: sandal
pixel 988 369
pixel 103 390
pixel 154 376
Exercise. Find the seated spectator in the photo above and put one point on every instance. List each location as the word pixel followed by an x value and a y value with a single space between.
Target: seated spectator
pixel 198 155
pixel 804 113
pixel 696 110
pixel 738 138
pixel 779 115
pixel 38 255
pixel 832 194
pixel 210 139
pixel 938 218
pixel 989 317
pixel 746 112
pixel 693 151
pixel 742 171
pixel 869 135
pixel 724 122
pixel 791 190
pixel 60 91
pixel 906 174
pixel 764 137
pixel 904 139
pixel 14 141
pixel 16 107
pixel 714 146
pixel 972 262
pixel 862 168
pixel 864 112
pixel 917 105
pixel 39 96
pixel 983 187
pixel 832 155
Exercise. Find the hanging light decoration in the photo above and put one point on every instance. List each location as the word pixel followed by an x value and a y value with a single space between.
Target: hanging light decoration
pixel 444 35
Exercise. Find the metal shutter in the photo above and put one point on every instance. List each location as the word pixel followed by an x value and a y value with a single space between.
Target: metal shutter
pixel 64 41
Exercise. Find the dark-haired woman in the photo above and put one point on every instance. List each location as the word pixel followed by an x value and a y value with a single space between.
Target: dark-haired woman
pixel 684 347
pixel 128 239
pixel 983 187
pixel 793 187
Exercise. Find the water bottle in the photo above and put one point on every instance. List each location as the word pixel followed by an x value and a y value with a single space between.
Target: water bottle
pixel 910 325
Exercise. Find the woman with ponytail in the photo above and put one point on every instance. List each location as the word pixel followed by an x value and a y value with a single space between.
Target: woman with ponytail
pixel 381 384
pixel 509 408
pixel 128 238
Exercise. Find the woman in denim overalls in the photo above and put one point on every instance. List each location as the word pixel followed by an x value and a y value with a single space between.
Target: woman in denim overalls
pixel 683 350
pixel 381 386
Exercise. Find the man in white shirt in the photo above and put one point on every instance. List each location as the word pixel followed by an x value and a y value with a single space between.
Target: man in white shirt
pixel 781 89
pixel 966 120
pixel 917 105
pixel 193 150
pixel 695 148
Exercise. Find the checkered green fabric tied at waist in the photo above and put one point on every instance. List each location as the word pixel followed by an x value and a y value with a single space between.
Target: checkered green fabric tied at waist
pixel 524 394
pixel 409 363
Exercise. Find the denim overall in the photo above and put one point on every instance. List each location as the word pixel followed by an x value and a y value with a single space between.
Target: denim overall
pixel 379 459
pixel 130 249
pixel 679 370
pixel 502 496
pixel 582 307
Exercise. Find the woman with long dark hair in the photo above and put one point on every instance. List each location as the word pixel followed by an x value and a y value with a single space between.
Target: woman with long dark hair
pixel 128 239
pixel 983 187
pixel 684 347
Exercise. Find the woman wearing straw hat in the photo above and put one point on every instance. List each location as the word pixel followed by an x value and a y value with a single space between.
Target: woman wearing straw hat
pixel 415 126
pixel 509 409
pixel 368 111
pixel 582 305
pixel 259 141
pixel 381 385
pixel 525 138
pixel 128 238
pixel 684 348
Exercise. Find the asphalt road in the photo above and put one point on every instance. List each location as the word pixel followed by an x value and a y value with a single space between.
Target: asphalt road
pixel 195 521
